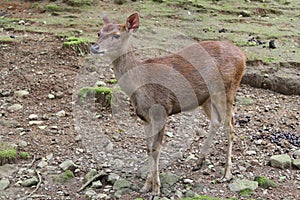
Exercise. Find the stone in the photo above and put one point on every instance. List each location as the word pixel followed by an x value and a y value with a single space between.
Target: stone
pixel 4 183
pixel 190 194
pixel 30 182
pixel 61 113
pixel 178 194
pixel 51 96
pixel 109 147
pixel 33 117
pixel 250 153
pixel 169 134
pixel 282 161
pixel 68 165
pixel 42 164
pixel 121 183
pixel 187 181
pixel 23 143
pixel 90 174
pixel 241 185
pixel 96 184
pixel 21 93
pixel 90 193
pixel 35 122
pixel 7 170
pixel 296 163
pixel 15 107
pixel 168 179
pixel 117 163
pixel 296 154
pixel 113 177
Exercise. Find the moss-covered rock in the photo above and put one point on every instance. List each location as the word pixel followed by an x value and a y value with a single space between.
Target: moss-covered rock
pixel 264 182
pixel 103 94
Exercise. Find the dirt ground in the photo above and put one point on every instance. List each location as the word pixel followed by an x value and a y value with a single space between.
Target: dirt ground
pixel 38 62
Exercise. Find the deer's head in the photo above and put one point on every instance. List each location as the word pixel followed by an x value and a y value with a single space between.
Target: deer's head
pixel 113 38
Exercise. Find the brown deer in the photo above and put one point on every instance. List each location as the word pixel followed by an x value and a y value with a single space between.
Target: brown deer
pixel 205 74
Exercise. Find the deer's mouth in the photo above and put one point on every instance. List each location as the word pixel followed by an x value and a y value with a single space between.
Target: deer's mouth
pixel 95 49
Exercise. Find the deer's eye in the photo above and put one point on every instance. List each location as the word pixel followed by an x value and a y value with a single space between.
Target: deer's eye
pixel 98 34
pixel 116 36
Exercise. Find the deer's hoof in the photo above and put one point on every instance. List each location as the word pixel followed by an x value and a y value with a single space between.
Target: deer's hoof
pixel 146 188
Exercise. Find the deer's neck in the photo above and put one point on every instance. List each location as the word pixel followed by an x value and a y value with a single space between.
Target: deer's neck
pixel 124 64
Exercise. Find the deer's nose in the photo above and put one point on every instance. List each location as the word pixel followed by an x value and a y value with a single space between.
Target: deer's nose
pixel 95 49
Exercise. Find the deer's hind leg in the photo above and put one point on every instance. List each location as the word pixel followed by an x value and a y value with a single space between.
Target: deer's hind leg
pixel 213 111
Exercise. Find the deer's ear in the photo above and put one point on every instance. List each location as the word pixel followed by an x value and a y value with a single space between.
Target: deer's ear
pixel 132 23
pixel 106 19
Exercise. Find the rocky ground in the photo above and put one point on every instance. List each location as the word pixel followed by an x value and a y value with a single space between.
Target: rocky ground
pixel 63 143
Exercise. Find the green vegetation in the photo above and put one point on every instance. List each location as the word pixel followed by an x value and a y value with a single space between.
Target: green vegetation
pixel 24 155
pixel 67 175
pixel 80 45
pixel 8 154
pixel 264 182
pixel 98 92
pixel 79 3
pixel 53 8
pixel 246 193
pixel 64 177
pixel 112 81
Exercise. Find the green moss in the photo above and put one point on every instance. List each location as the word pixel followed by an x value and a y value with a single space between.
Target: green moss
pixel 67 175
pixel 80 2
pixel 53 8
pixel 264 182
pixel 98 92
pixel 112 81
pixel 72 41
pixel 80 45
pixel 24 155
pixel 8 154
pixel 246 193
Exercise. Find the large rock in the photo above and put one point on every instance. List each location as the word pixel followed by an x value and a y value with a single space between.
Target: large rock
pixel 121 183
pixel 30 182
pixel 168 179
pixel 68 165
pixel 241 185
pixel 113 177
pixel 21 93
pixel 14 107
pixel 296 163
pixel 7 170
pixel 4 183
pixel 281 161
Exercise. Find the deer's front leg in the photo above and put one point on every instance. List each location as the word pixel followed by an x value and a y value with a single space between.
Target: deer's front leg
pixel 154 135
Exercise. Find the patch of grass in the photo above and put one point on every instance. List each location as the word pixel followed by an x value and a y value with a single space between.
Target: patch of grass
pixel 80 45
pixel 264 182
pixel 112 81
pixel 246 193
pixel 24 155
pixel 78 3
pixel 7 153
pixel 98 92
pixel 53 8
pixel 67 175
